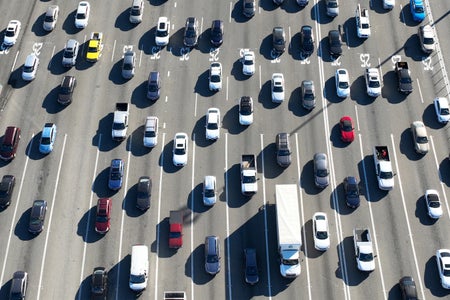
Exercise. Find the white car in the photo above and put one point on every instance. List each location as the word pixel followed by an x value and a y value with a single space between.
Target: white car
pixel 180 149
pixel 362 22
pixel 420 137
pixel 162 32
pixel 30 67
pixel 151 131
pixel 246 110
pixel 82 14
pixel 427 39
pixel 51 16
pixel 433 204
pixel 321 232
pixel 213 124
pixel 388 4
pixel 12 32
pixel 443 264
pixel 209 190
pixel 342 83
pixel 373 82
pixel 277 87
pixel 248 62
pixel 215 76
pixel 442 109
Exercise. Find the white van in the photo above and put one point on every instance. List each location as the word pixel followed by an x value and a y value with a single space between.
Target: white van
pixel 139 268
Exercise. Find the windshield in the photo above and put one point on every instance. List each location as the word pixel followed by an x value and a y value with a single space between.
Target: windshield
pixel 101 219
pixel 374 84
pixel 308 97
pixel 81 16
pixel 137 278
pixel 284 153
pixel 45 141
pixel 215 78
pixel 68 54
pixel 7 148
pixel 212 126
pixel 10 33
pixel 249 179
pixel 290 262
pixel 322 173
pixel 135 12
pixel 347 126
pixel 277 89
pixel 190 33
pixel 150 134
pixel 180 151
pixel 418 9
pixel 428 41
pixel 152 88
pixel 422 139
pixel 212 259
pixel 248 62
pixel 160 33
pixel 246 110
pixel 92 49
pixel 48 19
pixel 118 126
pixel 365 26
pixel 352 190
pixel 365 256
pixel 386 175
pixel 128 67
pixel 343 85
pixel 115 175
pixel 28 69
pixel 444 111
pixel 209 193
pixel 434 204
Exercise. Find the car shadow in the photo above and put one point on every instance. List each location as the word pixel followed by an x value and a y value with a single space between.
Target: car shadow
pixel 264 98
pixel 139 96
pixel 200 137
pixel 69 24
pixel 354 276
pixel 176 45
pixel 266 48
pixel 236 71
pixel 168 165
pixel 322 17
pixel 390 88
pixel 358 92
pixel 271 167
pixel 421 212
pixel 102 139
pixel 230 121
pixel 406 16
pixel 202 85
pixel 136 146
pixel 406 145
pixel 129 203
pixel 367 167
pixel 294 103
pixel 197 257
pixel 341 208
pixel 32 150
pixel 38 28
pixel 6 288
pixel 307 179
pixel 412 49
pixel 195 200
pixel 21 228
pixel 335 137
pixel 293 48
pixel 15 79
pixel 82 63
pixel 50 103
pixel 100 185
pixel 430 119
pixel 147 42
pixel 307 231
pixel 85 228
pixel 330 85
pixel 444 166
pixel 55 65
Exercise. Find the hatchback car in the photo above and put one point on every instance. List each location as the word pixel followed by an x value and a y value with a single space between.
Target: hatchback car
pixel 332 8
pixel 251 266
pixel 70 53
pixel 342 80
pixel 420 137
pixel 347 129
pixel 144 193
pixel 82 14
pixel 30 67
pixel 48 137
pixel 321 173
pixel 19 284
pixel 10 143
pixel 99 283
pixel 116 174
pixel 217 33
pixel 191 32
pixel 103 216
pixel 212 255
pixel 215 77
pixel 433 203
pixel 278 40
pixel 307 40
pixel 12 32
pixel 50 18
pixel 37 216
pixel 66 90
pixel 136 11
pixel 128 64
pixel 283 149
pixel 442 109
pixel 351 190
pixel 248 62
pixel 308 94
pixel 180 149
pixel 162 32
pixel 320 231
pixel 213 124
pixel 277 87
pixel 335 44
pixel 443 264
pixel 6 189
pixel 427 39
pixel 209 190
pixel 417 10
pixel 151 131
pixel 248 8
pixel 408 288
pixel 246 110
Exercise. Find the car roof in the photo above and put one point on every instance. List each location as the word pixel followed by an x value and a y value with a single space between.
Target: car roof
pixel 31 58
pixel 51 9
pixel 320 159
pixel 209 181
pixel 333 34
pixel 71 43
pixel 443 102
pixel 352 180
pixel 47 129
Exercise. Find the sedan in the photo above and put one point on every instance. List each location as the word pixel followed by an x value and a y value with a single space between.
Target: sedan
pixel 246 110
pixel 129 64
pixel 417 10
pixel 82 14
pixel 427 39
pixel 277 87
pixel 307 40
pixel 335 44
pixel 308 94
pixel 278 40
pixel 191 32
pixel 212 124
pixel 408 288
pixel 115 174
pixel 103 217
pixel 321 173
pixel 433 204
pixel 342 80
pixel 420 138
pixel 215 77
pixel 251 266
pixel 443 264
pixel 48 137
pixel 217 33
pixel 351 190
pixel 320 231
pixel 37 216
pixel 162 32
pixel 99 283
pixel 51 16
pixel 19 285
pixel 144 193
pixel 180 149
pixel 248 62
pixel 66 89
pixel 6 189
pixel 12 32
pixel 347 129
pixel 442 109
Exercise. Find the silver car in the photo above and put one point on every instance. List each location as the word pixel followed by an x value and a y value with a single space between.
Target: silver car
pixel 308 94
pixel 212 255
pixel 51 16
pixel 420 138
pixel 283 149
pixel 321 173
pixel 70 53
pixel 129 63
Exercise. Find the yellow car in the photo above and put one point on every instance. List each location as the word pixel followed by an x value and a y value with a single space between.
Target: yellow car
pixel 95 47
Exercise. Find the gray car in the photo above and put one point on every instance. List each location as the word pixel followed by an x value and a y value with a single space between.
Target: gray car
pixel 321 173
pixel 19 285
pixel 70 53
pixel 66 89
pixel 278 40
pixel 191 32
pixel 144 193
pixel 212 255
pixel 128 65
pixel 308 94
pixel 37 216
pixel 283 149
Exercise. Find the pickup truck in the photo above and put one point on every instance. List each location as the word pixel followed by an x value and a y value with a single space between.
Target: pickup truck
pixel 383 168
pixel 95 46
pixel 120 122
pixel 249 184
pixel 363 249
pixel 176 229
pixel 404 77
pixel 175 295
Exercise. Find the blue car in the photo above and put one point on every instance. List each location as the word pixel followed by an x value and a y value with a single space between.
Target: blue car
pixel 115 174
pixel 417 10
pixel 48 137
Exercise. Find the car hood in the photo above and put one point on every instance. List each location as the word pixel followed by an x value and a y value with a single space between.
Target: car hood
pixel 127 74
pixel 343 93
pixel 35 228
pixel 245 120
pixel 278 96
pixel 8 40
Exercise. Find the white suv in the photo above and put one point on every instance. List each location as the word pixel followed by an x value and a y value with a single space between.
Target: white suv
pixel 162 32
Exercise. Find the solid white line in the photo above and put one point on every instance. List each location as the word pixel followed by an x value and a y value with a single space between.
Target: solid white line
pixel 195 105
pixel 15 60
pixel 231 8
pixel 51 60
pixel 167 99
pixel 381 71
pixel 113 50
pixel 420 90
pixel 13 221
pixel 168 73
pixel 418 275
pixel 226 97
pixel 227 213
pixel 440 176
pixel 346 37
pixel 192 221
pixel 161 171
pixel 357 117
pixel 403 15
pixel 47 234
pixel 175 5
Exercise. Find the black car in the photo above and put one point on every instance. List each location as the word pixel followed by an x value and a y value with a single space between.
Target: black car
pixel 278 40
pixel 351 189
pixel 307 40
pixel 191 32
pixel 251 266
pixel 144 193
pixel 37 216
pixel 408 288
pixel 99 284
pixel 19 285
pixel 248 8
pixel 66 90
pixel 217 33
pixel 334 39
pixel 6 189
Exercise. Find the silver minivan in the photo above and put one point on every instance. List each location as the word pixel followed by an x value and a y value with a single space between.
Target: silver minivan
pixel 136 11
pixel 212 255
pixel 151 132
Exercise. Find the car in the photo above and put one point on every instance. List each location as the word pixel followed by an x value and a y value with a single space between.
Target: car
pixel 362 22
pixel 248 8
pixel 213 124
pixel 12 32
pixel 278 40
pixel 373 82
pixel 180 149
pixel 151 131
pixel 217 33
pixel 191 32
pixel 10 143
pixel 66 89
pixel 19 284
pixel 6 189
pixel 251 266
pixel 215 77
pixel 427 38
pixel 320 231
pixel 335 44
pixel 103 216
pixel 347 129
pixel 136 11
pixel 332 8
pixel 408 288
pixel 99 283
pixel 283 149
pixel 246 110
pixel 95 47
pixel 37 216
pixel 212 255
pixel 144 193
pixel 70 53
pixel 209 190
pixel 50 18
pixel 116 174
pixel 321 173
pixel 351 190
pixel 388 4
pixel 30 66
pixel 128 64
pixel 248 62
pixel 443 264
pixel 342 80
pixel 154 86
pixel 433 203
pixel 48 137
pixel 307 40
pixel 162 32
pixel 417 10
pixel 420 138
pixel 277 87
pixel 308 94
pixel 82 14
pixel 442 109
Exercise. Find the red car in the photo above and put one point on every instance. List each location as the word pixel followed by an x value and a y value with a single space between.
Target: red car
pixel 347 129
pixel 102 220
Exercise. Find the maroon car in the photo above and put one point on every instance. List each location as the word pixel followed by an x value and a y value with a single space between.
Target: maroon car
pixel 102 220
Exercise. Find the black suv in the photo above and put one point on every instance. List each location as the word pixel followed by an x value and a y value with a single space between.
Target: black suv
pixel 217 33
pixel 66 90
pixel 37 216
pixel 334 39
pixel 278 40
pixel 191 32
pixel 6 189
pixel 99 284
pixel 307 39
pixel 18 285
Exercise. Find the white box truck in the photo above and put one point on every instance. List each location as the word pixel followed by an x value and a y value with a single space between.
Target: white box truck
pixel 288 227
